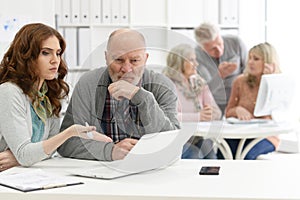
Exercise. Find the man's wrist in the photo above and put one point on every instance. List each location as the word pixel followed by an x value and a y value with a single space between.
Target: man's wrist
pixel 135 90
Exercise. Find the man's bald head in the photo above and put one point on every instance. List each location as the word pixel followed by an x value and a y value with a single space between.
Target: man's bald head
pixel 126 55
pixel 125 40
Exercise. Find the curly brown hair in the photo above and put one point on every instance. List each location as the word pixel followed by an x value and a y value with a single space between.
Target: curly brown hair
pixel 18 63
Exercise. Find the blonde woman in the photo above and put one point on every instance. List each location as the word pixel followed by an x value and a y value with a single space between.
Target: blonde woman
pixel 195 100
pixel 262 59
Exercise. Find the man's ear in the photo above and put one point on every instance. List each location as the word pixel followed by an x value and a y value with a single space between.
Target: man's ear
pixel 106 57
pixel 147 55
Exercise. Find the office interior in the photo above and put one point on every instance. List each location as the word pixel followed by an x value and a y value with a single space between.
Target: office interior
pixel 86 25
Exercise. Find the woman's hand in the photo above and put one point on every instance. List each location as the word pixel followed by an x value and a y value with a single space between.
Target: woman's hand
pixel 243 114
pixel 89 132
pixel 206 113
pixel 269 68
pixel 7 160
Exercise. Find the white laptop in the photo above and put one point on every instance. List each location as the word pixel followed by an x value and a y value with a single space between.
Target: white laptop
pixel 152 151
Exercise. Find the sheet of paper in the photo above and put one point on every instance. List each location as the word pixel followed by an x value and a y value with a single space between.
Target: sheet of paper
pixel 35 179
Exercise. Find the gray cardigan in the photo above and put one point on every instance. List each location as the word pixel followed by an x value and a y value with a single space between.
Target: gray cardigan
pixel 208 67
pixel 16 126
pixel 156 102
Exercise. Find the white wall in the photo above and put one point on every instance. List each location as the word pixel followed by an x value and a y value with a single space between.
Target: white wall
pixel 15 13
pixel 252 21
pixel 283 32
pixel 35 10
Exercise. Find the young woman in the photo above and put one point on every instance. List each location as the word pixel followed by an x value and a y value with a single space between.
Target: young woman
pixel 32 87
pixel 262 59
pixel 196 102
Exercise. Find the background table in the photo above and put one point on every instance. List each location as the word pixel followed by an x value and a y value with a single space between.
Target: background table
pixel 218 131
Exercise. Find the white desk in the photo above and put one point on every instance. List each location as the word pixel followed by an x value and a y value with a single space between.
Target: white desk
pixel 238 179
pixel 218 131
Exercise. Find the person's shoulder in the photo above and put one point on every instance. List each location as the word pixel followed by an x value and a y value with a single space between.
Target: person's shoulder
pixel 157 77
pixel 10 87
pixel 199 51
pixel 239 79
pixel 93 72
pixel 92 75
pixel 152 79
pixel 232 39
pixel 11 91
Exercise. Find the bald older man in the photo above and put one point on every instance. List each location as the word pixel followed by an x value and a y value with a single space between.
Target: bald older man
pixel 124 100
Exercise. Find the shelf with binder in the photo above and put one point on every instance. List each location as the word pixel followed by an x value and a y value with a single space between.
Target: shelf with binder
pixel 101 17
pixel 229 12
pixel 149 13
pixel 224 13
pixel 88 12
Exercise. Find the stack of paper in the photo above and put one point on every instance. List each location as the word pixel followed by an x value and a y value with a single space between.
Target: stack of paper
pixel 35 179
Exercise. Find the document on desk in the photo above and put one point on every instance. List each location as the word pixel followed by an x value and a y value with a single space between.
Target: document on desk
pixel 233 120
pixel 35 179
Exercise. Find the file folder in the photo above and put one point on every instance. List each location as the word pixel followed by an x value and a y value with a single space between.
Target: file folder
pixel 65 12
pixel 229 12
pixel 71 49
pixel 84 49
pixel 115 11
pixel 75 11
pixel 106 11
pixel 124 12
pixel 84 12
pixel 58 12
pixel 96 11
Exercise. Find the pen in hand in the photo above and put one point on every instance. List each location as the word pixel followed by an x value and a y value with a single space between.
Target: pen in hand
pixel 97 136
pixel 89 134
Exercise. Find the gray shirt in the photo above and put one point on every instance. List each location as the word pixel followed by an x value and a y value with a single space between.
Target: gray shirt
pixel 16 126
pixel 234 50
pixel 156 101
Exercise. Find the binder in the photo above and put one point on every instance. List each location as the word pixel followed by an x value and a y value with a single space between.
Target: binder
pixel 115 11
pixel 58 13
pixel 229 12
pixel 106 11
pixel 84 48
pixel 75 11
pixel 84 12
pixel 124 11
pixel 96 11
pixel 65 12
pixel 71 49
pixel 234 10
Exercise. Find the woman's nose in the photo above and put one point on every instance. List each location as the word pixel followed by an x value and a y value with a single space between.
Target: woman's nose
pixel 55 58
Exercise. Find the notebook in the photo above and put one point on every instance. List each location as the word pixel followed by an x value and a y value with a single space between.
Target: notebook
pixel 35 179
pixel 152 151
